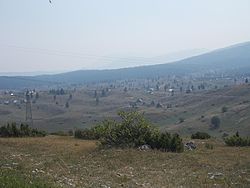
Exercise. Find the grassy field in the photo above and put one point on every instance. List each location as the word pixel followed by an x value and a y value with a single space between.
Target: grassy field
pixel 55 161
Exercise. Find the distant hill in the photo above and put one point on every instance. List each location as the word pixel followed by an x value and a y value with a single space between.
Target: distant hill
pixel 233 58
pixel 8 82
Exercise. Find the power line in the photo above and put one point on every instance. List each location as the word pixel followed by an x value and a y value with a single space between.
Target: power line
pixel 84 55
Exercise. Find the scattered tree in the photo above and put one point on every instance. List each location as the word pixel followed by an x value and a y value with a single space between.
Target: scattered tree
pixel 103 93
pixel 37 95
pixel 12 130
pixel 67 104
pixel 224 109
pixel 181 120
pixel 125 89
pixel 215 122
pixel 97 100
pixel 70 97
pixel 237 140
pixel 200 135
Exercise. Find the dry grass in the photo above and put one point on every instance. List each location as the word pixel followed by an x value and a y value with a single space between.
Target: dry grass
pixel 83 111
pixel 67 162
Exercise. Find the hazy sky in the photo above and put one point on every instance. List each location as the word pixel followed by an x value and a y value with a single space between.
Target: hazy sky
pixel 77 34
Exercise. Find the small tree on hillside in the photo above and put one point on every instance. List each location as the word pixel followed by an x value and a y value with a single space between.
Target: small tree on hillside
pixel 67 104
pixel 224 109
pixel 215 122
pixel 97 100
pixel 165 87
pixel 103 93
pixel 70 97
pixel 125 89
pixel 37 95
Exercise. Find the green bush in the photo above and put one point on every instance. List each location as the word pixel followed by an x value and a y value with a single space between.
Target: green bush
pixel 236 140
pixel 63 133
pixel 215 122
pixel 181 120
pixel 12 130
pixel 224 109
pixel 200 135
pixel 60 133
pixel 132 131
pixel 86 134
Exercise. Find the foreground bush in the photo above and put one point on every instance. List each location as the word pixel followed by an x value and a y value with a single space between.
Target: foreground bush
pixel 236 140
pixel 200 135
pixel 132 131
pixel 11 130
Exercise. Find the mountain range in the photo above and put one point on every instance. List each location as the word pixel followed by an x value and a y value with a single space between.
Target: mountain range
pixel 232 58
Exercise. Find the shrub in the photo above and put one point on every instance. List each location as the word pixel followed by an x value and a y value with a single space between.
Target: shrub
pixel 63 133
pixel 70 132
pixel 200 135
pixel 22 131
pixel 60 133
pixel 165 142
pixel 176 144
pixel 86 134
pixel 181 120
pixel 236 140
pixel 225 135
pixel 215 121
pixel 132 131
pixel 224 109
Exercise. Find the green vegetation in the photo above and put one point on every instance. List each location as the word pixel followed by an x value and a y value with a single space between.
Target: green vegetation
pixel 200 135
pixel 236 140
pixel 133 131
pixel 63 133
pixel 57 92
pixel 67 105
pixel 224 109
pixel 11 130
pixel 215 122
pixel 181 120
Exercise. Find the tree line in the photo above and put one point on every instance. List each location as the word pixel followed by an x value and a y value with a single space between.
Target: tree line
pixel 12 130
pixel 237 140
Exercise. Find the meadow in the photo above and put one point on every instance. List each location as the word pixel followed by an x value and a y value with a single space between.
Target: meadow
pixel 62 161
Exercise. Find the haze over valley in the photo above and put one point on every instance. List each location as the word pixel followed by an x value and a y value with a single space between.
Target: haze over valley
pixel 124 94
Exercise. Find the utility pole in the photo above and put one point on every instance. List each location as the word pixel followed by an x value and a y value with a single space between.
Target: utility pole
pixel 28 118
